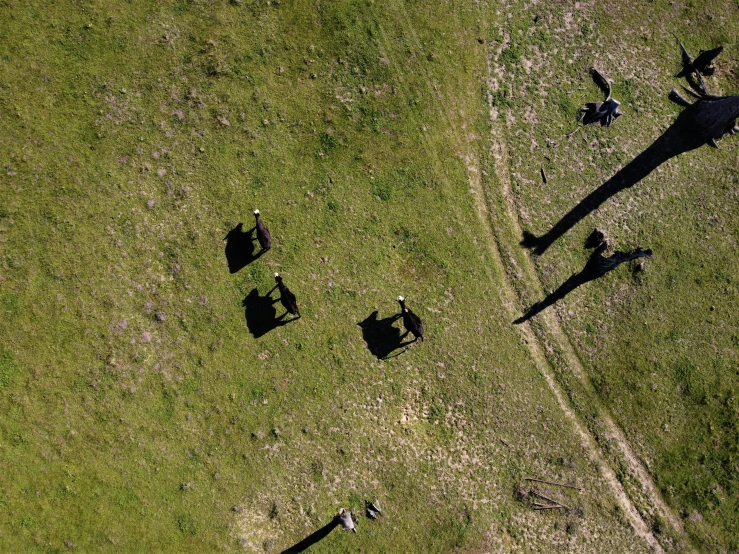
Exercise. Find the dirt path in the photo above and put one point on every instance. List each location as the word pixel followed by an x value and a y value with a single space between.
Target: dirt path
pixel 637 471
pixel 649 493
pixel 511 302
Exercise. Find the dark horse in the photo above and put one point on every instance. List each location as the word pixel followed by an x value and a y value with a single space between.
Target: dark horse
pixel 597 266
pixel 702 122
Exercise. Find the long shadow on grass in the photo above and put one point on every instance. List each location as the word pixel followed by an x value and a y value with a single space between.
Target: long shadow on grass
pixel 261 315
pixel 596 266
pixel 699 124
pixel 313 538
pixel 240 248
pixel 381 336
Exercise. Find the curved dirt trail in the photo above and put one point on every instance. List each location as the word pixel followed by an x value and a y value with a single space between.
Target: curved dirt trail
pixel 511 301
pixel 486 208
pixel 556 335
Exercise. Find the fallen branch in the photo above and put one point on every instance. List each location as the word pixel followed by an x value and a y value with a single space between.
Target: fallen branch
pixel 549 499
pixel 553 483
pixel 557 507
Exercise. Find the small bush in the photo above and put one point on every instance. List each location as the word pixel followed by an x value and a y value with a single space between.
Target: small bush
pixel 501 98
pixel 9 371
pixel 658 525
pixel 328 141
pixel 185 524
pixel 511 55
pixel 383 189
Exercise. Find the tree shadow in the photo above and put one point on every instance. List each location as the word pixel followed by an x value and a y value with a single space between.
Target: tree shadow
pixel 699 124
pixel 382 337
pixel 261 315
pixel 313 538
pixel 240 248
pixel 596 266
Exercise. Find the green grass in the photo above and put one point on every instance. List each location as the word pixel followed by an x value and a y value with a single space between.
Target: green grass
pixel 657 347
pixel 137 411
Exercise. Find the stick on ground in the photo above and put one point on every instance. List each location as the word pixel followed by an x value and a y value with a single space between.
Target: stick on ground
pixel 553 483
pixel 549 499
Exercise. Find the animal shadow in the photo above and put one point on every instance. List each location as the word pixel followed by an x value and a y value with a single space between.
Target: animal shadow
pixel 596 267
pixel 381 336
pixel 261 314
pixel 701 123
pixel 313 538
pixel 240 248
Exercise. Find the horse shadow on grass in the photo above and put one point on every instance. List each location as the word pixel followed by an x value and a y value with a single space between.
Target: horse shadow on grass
pixel 240 248
pixel 701 123
pixel 261 314
pixel 313 538
pixel 596 267
pixel 382 337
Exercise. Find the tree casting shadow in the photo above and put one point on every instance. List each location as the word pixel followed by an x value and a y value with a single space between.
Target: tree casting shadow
pixel 699 124
pixel 382 337
pixel 261 315
pixel 313 538
pixel 597 266
pixel 240 248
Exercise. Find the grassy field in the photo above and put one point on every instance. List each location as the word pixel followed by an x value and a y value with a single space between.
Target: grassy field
pixel 660 348
pixel 142 411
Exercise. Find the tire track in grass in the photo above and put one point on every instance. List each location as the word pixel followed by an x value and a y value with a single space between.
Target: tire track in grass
pixel 596 456
pixel 526 272
pixel 511 304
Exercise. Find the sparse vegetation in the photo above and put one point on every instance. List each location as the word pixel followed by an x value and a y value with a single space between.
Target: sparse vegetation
pixel 138 413
pixel 654 357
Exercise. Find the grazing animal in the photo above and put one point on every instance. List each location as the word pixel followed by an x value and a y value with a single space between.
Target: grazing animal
pixel 702 65
pixel 678 99
pixel 596 266
pixel 263 236
pixel 411 321
pixel 287 298
pixel 373 510
pixel 346 521
pixel 704 121
pixel 594 239
pixel 716 124
pixel 605 112
pixel 704 61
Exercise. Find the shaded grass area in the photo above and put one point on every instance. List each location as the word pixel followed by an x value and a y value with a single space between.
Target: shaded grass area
pixel 659 347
